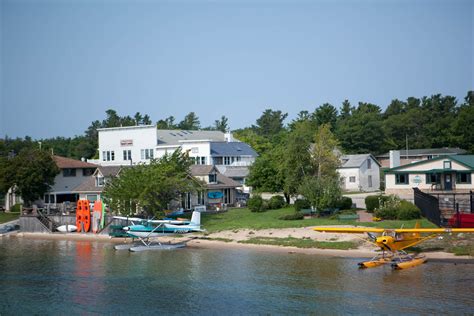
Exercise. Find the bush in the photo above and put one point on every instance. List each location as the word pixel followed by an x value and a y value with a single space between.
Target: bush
pixel 301 204
pixel 388 209
pixel 407 211
pixel 344 203
pixel 276 202
pixel 255 203
pixel 16 208
pixel 372 202
pixel 292 217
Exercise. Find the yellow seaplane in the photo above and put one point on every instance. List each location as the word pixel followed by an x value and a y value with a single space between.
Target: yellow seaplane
pixel 392 242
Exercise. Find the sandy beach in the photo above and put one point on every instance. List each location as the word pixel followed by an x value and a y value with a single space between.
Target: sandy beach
pixel 230 240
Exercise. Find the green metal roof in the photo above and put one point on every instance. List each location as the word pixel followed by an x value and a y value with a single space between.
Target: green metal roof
pixel 467 160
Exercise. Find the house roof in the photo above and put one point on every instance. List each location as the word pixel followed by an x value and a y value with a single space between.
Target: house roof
pixel 63 163
pixel 202 170
pixel 232 149
pixel 446 151
pixel 222 180
pixel 174 137
pixel 465 160
pixel 234 171
pixel 355 161
pixel 88 185
pixel 109 171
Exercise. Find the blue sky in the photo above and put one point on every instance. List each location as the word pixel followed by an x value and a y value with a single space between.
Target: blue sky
pixel 64 63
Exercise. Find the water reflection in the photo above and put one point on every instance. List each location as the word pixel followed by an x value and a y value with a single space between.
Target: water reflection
pixel 51 277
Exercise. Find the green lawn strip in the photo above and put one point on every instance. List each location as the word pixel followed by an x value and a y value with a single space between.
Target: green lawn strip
pixel 6 217
pixel 300 243
pixel 463 250
pixel 236 219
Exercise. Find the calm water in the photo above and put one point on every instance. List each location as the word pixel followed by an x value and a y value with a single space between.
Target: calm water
pixel 58 277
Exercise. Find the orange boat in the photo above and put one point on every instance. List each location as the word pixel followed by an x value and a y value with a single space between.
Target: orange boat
pixel 83 216
pixel 96 216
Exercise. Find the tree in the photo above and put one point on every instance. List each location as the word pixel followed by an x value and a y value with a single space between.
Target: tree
pixel 321 192
pixel 270 123
pixel 259 143
pixel 463 125
pixel 264 175
pixel 361 132
pixel 294 159
pixel 31 173
pixel 221 125
pixel 167 123
pixel 324 153
pixel 325 114
pixel 190 122
pixel 151 187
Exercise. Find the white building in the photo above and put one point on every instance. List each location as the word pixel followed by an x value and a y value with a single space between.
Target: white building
pixel 449 173
pixel 138 144
pixel 359 173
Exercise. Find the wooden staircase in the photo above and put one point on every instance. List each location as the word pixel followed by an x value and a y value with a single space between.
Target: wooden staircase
pixel 49 224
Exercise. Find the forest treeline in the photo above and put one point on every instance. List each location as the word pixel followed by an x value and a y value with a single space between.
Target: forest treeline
pixel 427 122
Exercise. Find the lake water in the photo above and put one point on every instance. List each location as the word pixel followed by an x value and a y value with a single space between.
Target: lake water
pixel 59 277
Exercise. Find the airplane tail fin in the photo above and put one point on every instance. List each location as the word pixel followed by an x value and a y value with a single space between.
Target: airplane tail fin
pixel 196 218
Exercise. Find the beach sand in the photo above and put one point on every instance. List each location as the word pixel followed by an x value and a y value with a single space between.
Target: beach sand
pixel 209 241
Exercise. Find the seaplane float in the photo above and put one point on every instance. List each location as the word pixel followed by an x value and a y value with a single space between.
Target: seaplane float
pixel 147 232
pixel 392 242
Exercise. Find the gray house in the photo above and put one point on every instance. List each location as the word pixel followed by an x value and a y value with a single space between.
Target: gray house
pixel 359 173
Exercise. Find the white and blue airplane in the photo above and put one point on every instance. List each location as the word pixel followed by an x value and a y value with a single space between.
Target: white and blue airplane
pixel 143 228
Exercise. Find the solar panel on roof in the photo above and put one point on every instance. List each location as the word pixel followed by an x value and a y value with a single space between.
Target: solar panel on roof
pixel 172 134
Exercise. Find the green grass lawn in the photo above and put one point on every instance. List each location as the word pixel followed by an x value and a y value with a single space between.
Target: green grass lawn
pixel 236 219
pixel 6 217
pixel 301 243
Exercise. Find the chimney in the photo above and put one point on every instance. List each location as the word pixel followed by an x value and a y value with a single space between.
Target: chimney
pixel 228 137
pixel 394 158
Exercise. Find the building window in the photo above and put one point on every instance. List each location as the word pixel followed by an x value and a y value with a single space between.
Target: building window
pixel 69 172
pixel 108 155
pixel 352 179
pixel 91 197
pixel 86 172
pixel 463 178
pixel 227 196
pixel 401 178
pixel 212 178
pixel 447 164
pixel 203 160
pixel 369 164
pixel 370 180
pixel 226 160
pixel 127 155
pixel 99 181
pixel 431 178
pixel 147 154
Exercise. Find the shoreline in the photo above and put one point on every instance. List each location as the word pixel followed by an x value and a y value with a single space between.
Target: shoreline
pixel 204 243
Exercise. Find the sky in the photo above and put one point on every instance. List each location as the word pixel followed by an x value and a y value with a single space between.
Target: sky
pixel 65 62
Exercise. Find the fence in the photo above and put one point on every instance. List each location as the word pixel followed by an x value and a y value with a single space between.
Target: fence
pixel 443 209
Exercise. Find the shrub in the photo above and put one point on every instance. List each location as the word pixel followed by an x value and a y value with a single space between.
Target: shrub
pixel 294 216
pixel 276 202
pixel 16 208
pixel 301 204
pixel 255 203
pixel 373 202
pixel 407 211
pixel 388 209
pixel 344 203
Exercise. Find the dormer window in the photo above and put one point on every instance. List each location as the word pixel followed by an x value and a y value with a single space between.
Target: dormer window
pixel 212 178
pixel 99 181
pixel 447 164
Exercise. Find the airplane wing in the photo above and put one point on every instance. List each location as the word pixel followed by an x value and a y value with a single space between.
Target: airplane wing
pixel 168 221
pixel 359 230
pixel 434 230
pixel 134 219
pixel 350 230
